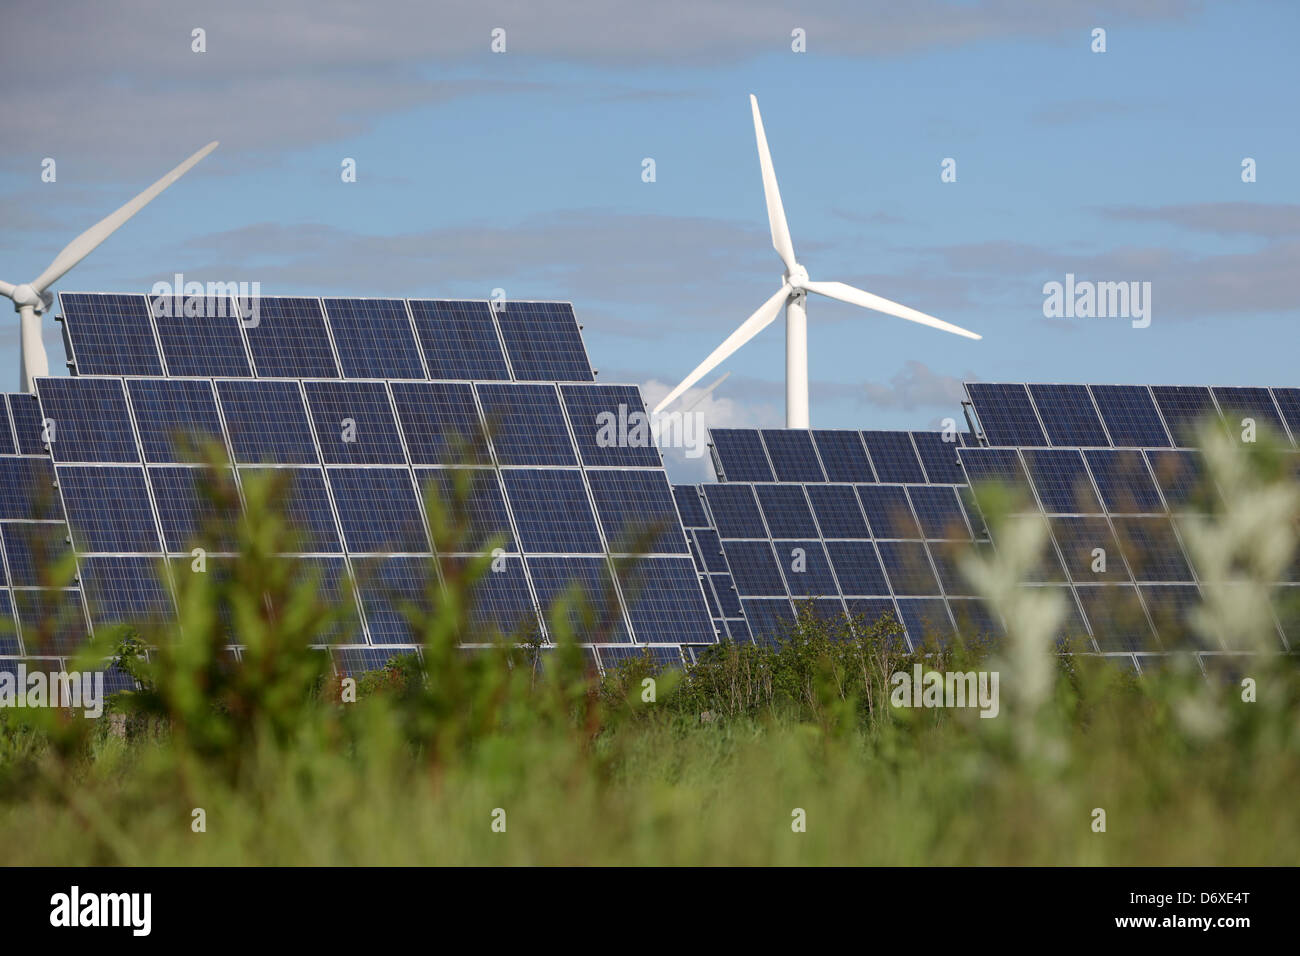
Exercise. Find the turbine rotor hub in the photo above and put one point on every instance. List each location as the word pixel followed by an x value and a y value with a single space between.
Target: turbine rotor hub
pixel 25 295
pixel 797 277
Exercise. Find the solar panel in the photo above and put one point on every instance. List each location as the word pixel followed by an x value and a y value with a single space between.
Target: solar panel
pixel 807 571
pixel 594 613
pixel 838 513
pixel 289 339
pixel 125 590
pixel 1089 549
pixel 196 508
pixel 397 595
pixel 1239 404
pixel 52 622
pixel 35 550
pixel 664 601
pixel 843 455
pixel 728 600
pixel 908 567
pixel 1288 400
pixel 1169 607
pixel 178 419
pixel 473 507
pixel 1184 407
pixel 7 444
pixel 947 564
pixel 893 456
pixel 1068 415
pixel 1125 484
pixel 1181 476
pixel 543 342
pixel 1118 620
pixel 710 550
pixel 926 620
pixel 108 509
pixel 110 334
pixel 354 423
pixel 753 568
pixel 637 511
pixel 1152 549
pixel 690 506
pixel 27 489
pixel 201 336
pixel 552 511
pixel 526 425
pixel 939 457
pixel 769 620
pixel 441 423
pixel 735 511
pixel 1062 481
pixel 888 511
pixel 267 422
pixel 300 496
pixel 501 603
pixel 87 420
pixel 858 568
pixel 740 454
pixel 374 338
pixel 786 510
pixel 792 455
pixel 331 581
pixel 28 428
pixel 939 512
pixel 610 425
pixel 1130 415
pixel 459 339
pixel 378 510
pixel 1006 414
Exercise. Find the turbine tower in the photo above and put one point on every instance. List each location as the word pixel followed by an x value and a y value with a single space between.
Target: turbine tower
pixel 795 287
pixel 31 299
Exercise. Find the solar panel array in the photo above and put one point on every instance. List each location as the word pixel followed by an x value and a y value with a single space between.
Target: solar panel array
pixel 356 410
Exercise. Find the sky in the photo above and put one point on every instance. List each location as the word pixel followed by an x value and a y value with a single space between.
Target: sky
pixel 522 170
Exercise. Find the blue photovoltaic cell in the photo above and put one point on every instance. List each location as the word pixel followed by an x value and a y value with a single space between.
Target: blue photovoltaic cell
pixel 741 455
pixel 267 422
pixel 543 342
pixel 301 498
pixel 38 553
pixel 753 569
pixel 27 489
pixel 394 591
pixel 926 620
pixel 53 622
pixel 374 338
pixel 177 419
pixel 378 510
pixel 1184 407
pixel 838 513
pixel 1239 403
pixel 526 425
pixel 939 511
pixel 829 610
pixel 328 577
pixel 441 423
pixel 27 424
pixel 197 508
pixel 871 611
pixel 354 423
pixel 636 510
pixel 843 455
pixel 473 507
pixel 1078 538
pixel 502 606
pixel 1288 400
pixel 1181 476
pixel 1118 623
pixel 87 420
pixel 125 590
pixel 1170 606
pixel 7 446
pixel 939 457
pixel 1062 482
pixel 1130 415
pixel 894 457
pixel 594 613
pixel 1125 484
pixel 459 339
pixel 946 558
pixel 110 334
pixel 9 644
pixel 690 506
pixel 714 611
pixel 857 567
pixel 888 512
pixel 610 425
pixel 908 567
pixel 1005 414
pixel 786 510
pixel 664 601
pixel 552 511
pixel 355 661
pixel 108 509
pixel 792 455
pixel 975 621
pixel 290 339
pixel 725 589
pixel 1152 549
pixel 1068 415
pixel 710 546
pixel 735 511
pixel 807 572
pixel 206 344
pixel 770 620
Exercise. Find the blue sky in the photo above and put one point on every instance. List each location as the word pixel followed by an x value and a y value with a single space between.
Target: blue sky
pixel 522 171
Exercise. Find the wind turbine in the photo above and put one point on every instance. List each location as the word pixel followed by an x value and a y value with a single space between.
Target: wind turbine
pixel 31 299
pixel 794 289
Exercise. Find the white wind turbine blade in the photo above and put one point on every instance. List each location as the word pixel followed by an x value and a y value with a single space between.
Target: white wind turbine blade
pixel 853 296
pixel 708 391
pixel 775 211
pixel 86 243
pixel 756 323
pixel 6 289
